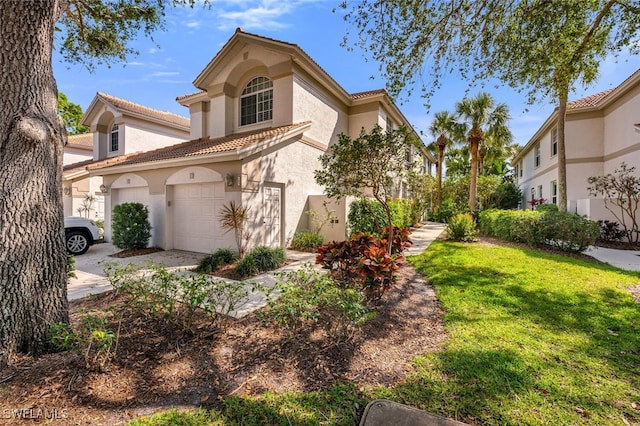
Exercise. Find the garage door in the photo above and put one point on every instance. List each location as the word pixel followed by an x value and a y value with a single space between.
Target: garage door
pixel 134 195
pixel 195 217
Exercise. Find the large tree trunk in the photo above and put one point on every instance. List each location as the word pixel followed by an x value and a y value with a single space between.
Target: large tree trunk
pixel 33 292
pixel 562 156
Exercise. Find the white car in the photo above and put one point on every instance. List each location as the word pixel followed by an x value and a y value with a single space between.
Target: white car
pixel 80 233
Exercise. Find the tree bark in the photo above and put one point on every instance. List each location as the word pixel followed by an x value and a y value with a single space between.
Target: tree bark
pixel 441 147
pixel 473 185
pixel 33 282
pixel 562 156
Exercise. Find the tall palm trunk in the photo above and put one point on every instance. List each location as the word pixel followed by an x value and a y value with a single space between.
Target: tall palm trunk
pixel 442 143
pixel 474 143
pixel 562 153
pixel 33 287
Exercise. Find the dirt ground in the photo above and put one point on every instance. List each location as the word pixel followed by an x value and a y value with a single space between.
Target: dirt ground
pixel 156 367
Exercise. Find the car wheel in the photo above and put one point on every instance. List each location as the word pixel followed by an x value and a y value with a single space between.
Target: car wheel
pixel 77 242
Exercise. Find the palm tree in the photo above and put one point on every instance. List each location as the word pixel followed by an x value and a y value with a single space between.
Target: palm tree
pixel 444 128
pixel 481 119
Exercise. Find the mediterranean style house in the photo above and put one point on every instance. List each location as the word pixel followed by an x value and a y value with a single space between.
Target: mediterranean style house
pixel 263 114
pixel 118 128
pixel 601 132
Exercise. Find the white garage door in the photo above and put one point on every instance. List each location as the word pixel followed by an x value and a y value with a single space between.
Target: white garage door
pixel 133 195
pixel 195 217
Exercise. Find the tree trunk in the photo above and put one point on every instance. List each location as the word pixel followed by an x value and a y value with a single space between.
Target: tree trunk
pixel 562 156
pixel 33 282
pixel 473 185
pixel 439 177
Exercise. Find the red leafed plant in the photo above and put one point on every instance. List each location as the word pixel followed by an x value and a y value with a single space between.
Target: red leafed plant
pixel 363 261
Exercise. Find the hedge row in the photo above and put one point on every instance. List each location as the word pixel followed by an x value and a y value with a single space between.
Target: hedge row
pixel 368 215
pixel 565 231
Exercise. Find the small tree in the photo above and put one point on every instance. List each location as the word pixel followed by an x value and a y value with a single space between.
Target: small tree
pixel 234 218
pixel 131 227
pixel 372 162
pixel 621 191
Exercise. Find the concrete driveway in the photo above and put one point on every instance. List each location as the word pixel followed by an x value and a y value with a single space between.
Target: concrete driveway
pixel 90 267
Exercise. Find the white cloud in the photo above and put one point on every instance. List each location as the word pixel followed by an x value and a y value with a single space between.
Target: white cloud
pixel 193 24
pixel 164 73
pixel 255 15
pixel 153 50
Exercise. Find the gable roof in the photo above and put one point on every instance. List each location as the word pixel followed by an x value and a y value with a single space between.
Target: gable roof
pixel 83 141
pixel 595 102
pixel 238 144
pixel 136 110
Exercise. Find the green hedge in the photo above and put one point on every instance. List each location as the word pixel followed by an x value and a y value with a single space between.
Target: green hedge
pixel 368 216
pixel 130 227
pixel 565 231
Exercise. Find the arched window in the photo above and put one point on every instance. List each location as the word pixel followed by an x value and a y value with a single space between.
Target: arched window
pixel 113 146
pixel 256 101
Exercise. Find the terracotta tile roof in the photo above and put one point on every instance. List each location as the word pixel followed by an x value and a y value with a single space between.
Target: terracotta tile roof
pixel 181 97
pixel 76 167
pixel 589 101
pixel 83 141
pixel 200 147
pixel 361 95
pixel 129 106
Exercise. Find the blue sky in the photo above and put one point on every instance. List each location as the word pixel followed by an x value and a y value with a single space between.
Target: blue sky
pixel 193 36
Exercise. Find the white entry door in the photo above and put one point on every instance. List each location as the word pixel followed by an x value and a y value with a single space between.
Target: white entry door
pixel 272 213
pixel 195 216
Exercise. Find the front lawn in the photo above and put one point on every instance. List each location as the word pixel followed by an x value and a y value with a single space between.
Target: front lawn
pixel 535 338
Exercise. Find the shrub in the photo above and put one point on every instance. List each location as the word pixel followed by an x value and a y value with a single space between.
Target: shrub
pixel 364 262
pixel 447 210
pixel 216 259
pixel 131 227
pixel 565 231
pixel 610 231
pixel 260 259
pixel 366 216
pixel 306 241
pixel 177 298
pixel 235 218
pixel 462 227
pixel 546 207
pixel 309 296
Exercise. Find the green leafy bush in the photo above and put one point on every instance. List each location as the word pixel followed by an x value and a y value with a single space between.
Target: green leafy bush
pixel 131 228
pixel 309 296
pixel 462 227
pixel 546 207
pixel 565 231
pixel 260 259
pixel 447 210
pixel 366 216
pixel 306 241
pixel 213 261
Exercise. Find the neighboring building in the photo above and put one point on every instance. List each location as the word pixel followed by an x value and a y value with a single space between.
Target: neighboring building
pixel 601 132
pixel 118 127
pixel 264 114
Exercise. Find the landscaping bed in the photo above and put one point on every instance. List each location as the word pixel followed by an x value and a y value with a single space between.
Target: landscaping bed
pixel 157 367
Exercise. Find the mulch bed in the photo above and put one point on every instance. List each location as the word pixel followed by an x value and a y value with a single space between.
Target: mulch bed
pixel 135 252
pixel 158 366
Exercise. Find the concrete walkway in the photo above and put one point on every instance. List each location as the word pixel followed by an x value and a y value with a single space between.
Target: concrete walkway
pixel 624 259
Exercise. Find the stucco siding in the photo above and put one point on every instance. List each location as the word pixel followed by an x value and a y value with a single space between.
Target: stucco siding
pixel 143 138
pixel 291 166
pixel 311 104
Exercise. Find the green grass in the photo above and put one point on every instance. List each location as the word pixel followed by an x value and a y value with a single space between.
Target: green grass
pixel 534 338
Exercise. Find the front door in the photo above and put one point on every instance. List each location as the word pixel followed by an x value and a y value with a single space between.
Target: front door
pixel 272 211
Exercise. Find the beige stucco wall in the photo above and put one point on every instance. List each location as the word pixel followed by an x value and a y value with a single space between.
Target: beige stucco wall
pixel 313 103
pixel 619 129
pixel 291 167
pixel 72 156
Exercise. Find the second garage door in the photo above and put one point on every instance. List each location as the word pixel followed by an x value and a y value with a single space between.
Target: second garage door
pixel 195 217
